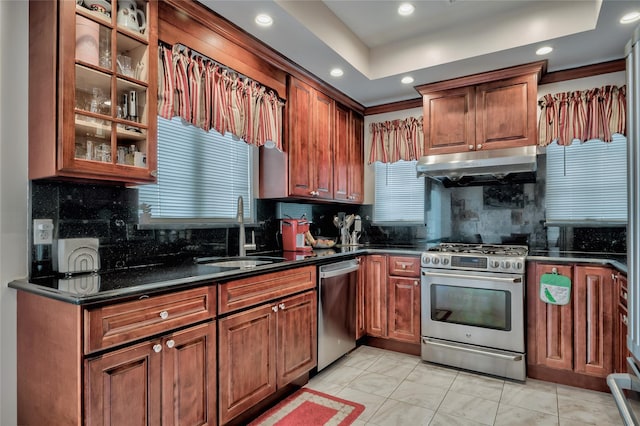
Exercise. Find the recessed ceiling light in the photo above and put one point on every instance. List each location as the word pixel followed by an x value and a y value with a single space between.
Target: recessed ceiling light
pixel 264 20
pixel 336 72
pixel 407 80
pixel 406 9
pixel 544 50
pixel 630 17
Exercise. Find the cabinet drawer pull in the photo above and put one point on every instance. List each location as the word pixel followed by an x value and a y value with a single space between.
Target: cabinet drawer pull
pixel 171 343
pixel 157 348
pixel 624 295
pixel 404 266
pixel 274 308
pixel 281 306
pixel 625 320
pixel 164 314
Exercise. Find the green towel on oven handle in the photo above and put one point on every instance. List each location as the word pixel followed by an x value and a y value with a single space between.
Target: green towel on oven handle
pixel 555 289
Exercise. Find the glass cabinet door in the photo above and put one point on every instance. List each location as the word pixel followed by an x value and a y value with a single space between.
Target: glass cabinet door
pixel 111 115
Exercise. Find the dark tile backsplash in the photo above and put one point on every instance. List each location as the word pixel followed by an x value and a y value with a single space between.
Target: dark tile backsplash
pixel 110 213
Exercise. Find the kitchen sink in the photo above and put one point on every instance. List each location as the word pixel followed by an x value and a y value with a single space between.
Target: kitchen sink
pixel 239 262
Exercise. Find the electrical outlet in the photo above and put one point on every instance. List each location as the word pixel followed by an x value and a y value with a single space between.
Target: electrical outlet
pixel 42 231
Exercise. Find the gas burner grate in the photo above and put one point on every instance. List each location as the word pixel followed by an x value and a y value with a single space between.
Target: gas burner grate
pixel 485 249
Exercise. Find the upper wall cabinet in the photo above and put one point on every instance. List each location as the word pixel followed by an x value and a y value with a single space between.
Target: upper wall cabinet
pixel 310 141
pixel 348 166
pixel 324 150
pixel 92 90
pixel 484 111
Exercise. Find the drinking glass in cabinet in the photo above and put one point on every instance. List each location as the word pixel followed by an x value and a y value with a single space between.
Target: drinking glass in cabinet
pixel 138 54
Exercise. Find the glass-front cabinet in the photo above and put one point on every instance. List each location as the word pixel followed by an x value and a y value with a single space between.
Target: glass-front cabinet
pixel 105 101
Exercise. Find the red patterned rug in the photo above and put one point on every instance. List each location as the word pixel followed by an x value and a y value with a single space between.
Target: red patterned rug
pixel 307 407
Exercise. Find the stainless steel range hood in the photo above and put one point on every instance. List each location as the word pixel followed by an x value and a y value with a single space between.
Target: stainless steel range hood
pixel 495 164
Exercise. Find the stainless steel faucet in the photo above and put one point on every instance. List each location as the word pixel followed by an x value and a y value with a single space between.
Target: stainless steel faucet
pixel 242 245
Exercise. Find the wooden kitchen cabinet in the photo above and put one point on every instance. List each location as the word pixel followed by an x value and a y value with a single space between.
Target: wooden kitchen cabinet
pixel 263 349
pixel 551 342
pixel 484 111
pixel 79 123
pixel 268 339
pixel 403 315
pixel 449 120
pixel 573 343
pixel 392 297
pixel 348 166
pixel 361 328
pixel 310 141
pixel 169 381
pixel 593 317
pixel 154 369
pixel 324 156
pixel 621 352
pixel 376 295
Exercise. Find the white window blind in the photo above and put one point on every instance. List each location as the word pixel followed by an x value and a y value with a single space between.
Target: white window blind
pixel 200 175
pixel 399 193
pixel 587 182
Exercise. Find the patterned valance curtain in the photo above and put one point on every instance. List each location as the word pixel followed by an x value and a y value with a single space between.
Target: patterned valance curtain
pixel 211 96
pixel 584 115
pixel 396 140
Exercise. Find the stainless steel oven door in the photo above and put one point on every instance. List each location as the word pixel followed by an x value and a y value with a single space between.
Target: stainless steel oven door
pixel 476 308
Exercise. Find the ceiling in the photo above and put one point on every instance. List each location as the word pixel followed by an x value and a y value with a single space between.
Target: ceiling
pixel 442 39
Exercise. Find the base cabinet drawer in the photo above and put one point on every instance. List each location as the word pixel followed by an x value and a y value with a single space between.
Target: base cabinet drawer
pixel 112 325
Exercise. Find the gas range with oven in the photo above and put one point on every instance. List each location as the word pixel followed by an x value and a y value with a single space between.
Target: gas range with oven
pixel 472 307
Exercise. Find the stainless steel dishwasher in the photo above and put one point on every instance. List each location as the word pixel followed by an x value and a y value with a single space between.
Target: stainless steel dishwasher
pixel 336 310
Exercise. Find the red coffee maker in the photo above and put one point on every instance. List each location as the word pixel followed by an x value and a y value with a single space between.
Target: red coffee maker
pixel 293 238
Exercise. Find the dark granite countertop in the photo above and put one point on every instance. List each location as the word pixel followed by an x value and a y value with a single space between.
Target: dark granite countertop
pixel 616 260
pixel 129 283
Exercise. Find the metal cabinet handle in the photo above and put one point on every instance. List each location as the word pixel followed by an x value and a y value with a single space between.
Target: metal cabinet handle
pixel 157 348
pixel 164 314
pixel 274 308
pixel 282 306
pixel 171 343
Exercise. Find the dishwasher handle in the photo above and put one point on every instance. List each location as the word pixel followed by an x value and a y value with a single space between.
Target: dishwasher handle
pixel 340 268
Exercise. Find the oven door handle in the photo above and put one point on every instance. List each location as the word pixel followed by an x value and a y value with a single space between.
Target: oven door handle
pixel 473 277
pixel 474 351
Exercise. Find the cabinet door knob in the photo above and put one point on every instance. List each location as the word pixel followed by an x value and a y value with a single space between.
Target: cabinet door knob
pixel 281 306
pixel 164 314
pixel 404 266
pixel 624 319
pixel 479 146
pixel 470 147
pixel 274 308
pixel 157 347
pixel 624 295
pixel 415 283
pixel 171 343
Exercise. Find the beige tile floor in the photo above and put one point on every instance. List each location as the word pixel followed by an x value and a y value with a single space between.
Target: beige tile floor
pixel 399 389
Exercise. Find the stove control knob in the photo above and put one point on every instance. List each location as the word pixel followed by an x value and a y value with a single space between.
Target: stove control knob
pixel 506 264
pixel 426 260
pixel 517 265
pixel 436 260
pixel 445 261
pixel 495 264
